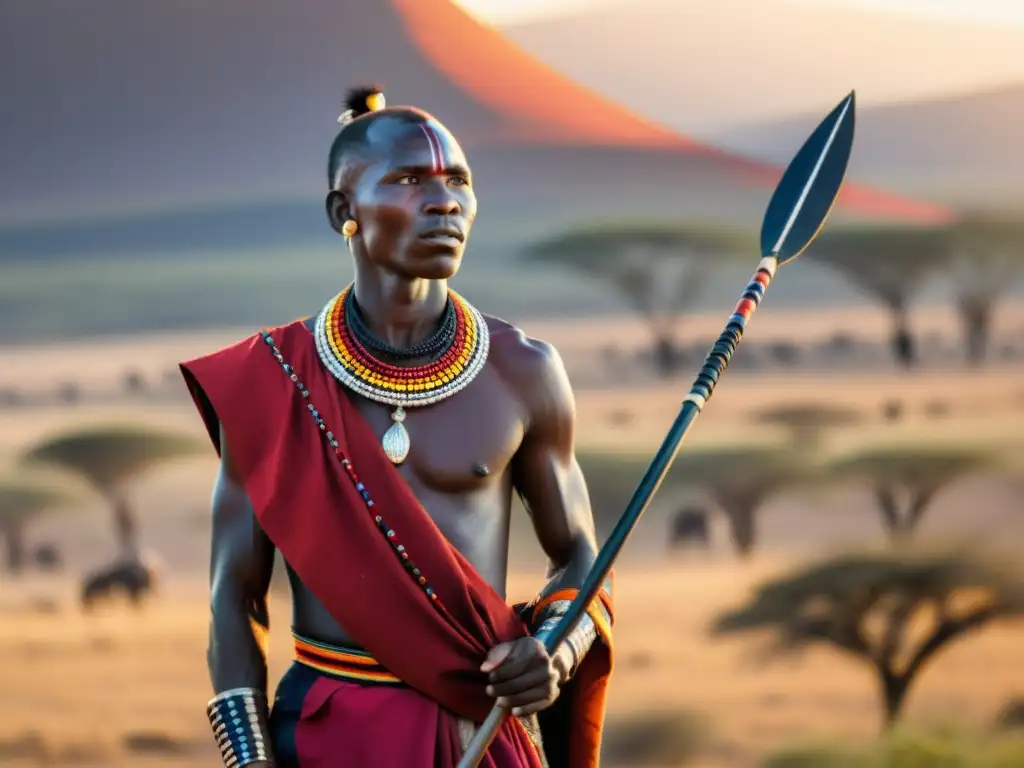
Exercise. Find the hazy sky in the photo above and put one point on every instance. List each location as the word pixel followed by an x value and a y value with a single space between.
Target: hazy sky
pixel 983 11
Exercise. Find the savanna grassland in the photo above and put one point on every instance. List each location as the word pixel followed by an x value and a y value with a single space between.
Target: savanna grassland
pixel 127 688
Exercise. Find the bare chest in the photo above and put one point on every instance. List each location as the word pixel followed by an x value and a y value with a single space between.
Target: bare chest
pixel 459 444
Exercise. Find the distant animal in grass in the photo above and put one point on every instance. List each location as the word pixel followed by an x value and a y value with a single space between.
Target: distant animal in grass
pixel 48 558
pixel 689 526
pixel 133 580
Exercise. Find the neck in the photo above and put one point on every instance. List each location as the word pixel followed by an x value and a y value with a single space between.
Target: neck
pixel 398 310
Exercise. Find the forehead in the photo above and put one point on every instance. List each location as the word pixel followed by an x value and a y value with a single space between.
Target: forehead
pixel 422 144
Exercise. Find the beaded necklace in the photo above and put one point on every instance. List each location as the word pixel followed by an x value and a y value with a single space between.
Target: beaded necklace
pixel 352 364
pixel 431 348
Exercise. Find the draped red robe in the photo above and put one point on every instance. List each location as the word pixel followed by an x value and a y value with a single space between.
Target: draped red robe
pixel 320 523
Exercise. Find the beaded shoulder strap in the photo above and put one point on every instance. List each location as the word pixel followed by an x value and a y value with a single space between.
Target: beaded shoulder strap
pixel 388 532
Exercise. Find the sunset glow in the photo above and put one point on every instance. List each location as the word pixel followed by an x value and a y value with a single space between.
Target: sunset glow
pixel 978 11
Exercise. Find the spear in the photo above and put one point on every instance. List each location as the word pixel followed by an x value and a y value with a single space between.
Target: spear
pixel 794 217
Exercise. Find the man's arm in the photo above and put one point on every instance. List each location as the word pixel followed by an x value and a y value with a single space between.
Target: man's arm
pixel 547 476
pixel 550 482
pixel 242 561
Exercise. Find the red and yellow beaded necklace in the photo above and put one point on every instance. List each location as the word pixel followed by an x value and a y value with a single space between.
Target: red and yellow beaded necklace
pixel 401 387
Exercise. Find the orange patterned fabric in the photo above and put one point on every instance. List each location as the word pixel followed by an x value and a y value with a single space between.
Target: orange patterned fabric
pixel 573 727
pixel 344 663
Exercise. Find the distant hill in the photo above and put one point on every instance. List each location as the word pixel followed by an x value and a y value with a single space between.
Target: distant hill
pixel 704 67
pixel 262 225
pixel 126 107
pixel 129 106
pixel 964 148
pixel 162 165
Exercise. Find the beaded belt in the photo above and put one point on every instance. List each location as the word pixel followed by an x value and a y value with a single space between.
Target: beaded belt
pixel 343 663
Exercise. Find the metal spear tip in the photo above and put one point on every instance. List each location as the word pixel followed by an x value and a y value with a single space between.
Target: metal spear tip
pixel 808 189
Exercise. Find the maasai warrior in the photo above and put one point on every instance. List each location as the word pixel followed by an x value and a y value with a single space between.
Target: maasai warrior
pixel 377 446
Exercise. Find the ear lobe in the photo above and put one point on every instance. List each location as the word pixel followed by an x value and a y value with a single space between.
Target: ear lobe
pixel 337 210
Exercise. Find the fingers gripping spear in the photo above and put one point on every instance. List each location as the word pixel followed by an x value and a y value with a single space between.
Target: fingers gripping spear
pixel 797 210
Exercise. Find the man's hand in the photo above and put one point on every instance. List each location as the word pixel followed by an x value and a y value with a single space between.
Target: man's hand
pixel 522 675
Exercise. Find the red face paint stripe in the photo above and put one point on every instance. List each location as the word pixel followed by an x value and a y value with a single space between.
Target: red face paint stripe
pixel 436 151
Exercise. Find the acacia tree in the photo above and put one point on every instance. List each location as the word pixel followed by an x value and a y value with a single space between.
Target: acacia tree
pixel 22 501
pixel 986 257
pixel 611 478
pixel 889 263
pixel 906 479
pixel 807 422
pixel 740 480
pixel 659 269
pixel 109 459
pixel 843 602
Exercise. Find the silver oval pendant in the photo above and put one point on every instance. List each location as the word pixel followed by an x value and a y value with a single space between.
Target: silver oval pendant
pixel 396 443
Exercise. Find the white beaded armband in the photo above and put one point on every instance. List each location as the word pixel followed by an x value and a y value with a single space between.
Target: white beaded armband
pixel 238 719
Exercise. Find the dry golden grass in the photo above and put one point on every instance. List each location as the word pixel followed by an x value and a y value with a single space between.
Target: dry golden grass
pixel 81 690
pixel 86 685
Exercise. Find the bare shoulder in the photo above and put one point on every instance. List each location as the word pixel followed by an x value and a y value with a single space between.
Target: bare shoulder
pixel 531 367
pixel 520 356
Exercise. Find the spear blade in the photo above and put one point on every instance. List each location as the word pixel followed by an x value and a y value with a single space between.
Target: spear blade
pixel 810 185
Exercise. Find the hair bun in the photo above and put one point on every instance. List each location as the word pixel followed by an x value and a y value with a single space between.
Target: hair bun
pixel 362 101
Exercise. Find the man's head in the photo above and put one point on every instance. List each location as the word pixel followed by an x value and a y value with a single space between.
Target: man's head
pixel 403 179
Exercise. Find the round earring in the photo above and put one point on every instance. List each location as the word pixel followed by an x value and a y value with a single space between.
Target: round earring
pixel 349 228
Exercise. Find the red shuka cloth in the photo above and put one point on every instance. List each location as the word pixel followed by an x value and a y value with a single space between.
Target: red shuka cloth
pixel 347 725
pixel 319 522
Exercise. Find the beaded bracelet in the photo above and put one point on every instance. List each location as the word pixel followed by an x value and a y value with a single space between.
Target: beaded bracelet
pixel 580 640
pixel 238 719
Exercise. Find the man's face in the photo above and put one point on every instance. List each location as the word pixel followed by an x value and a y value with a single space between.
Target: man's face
pixel 414 200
